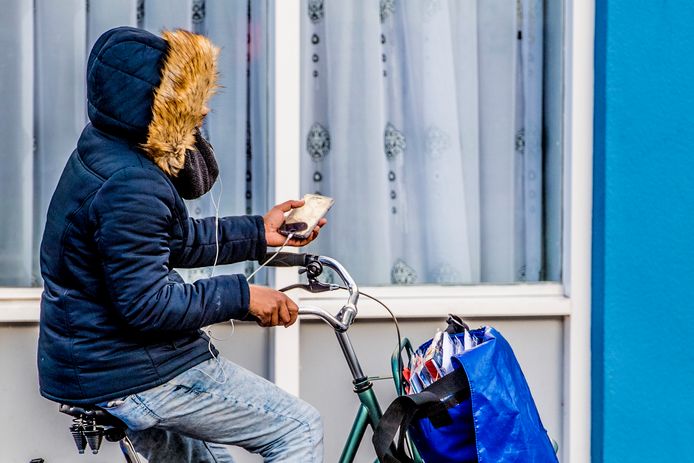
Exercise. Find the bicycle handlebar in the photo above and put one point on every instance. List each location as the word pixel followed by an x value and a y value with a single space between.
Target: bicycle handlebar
pixel 344 318
pixel 323 315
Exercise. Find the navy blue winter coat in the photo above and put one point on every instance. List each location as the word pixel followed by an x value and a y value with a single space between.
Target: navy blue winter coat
pixel 115 318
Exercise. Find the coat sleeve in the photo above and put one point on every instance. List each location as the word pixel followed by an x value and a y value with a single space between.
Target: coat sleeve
pixel 239 238
pixel 133 216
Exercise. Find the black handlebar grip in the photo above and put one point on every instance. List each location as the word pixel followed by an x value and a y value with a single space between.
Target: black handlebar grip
pixel 284 259
pixel 251 318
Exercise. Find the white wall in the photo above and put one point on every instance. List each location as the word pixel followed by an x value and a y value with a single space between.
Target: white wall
pixel 32 427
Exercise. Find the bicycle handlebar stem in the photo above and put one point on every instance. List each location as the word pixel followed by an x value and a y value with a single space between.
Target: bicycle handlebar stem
pixel 344 318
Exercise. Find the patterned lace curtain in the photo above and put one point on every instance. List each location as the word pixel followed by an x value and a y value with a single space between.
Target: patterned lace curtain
pixel 45 45
pixel 423 119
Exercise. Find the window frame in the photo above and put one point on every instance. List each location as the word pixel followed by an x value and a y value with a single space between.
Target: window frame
pixel 568 300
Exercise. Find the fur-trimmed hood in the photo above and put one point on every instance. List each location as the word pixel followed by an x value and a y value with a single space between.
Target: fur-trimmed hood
pixel 152 90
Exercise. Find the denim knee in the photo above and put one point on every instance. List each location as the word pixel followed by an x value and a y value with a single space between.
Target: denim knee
pixel 314 421
pixel 303 442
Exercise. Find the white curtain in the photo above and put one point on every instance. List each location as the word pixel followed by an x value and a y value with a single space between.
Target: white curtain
pixel 45 47
pixel 423 119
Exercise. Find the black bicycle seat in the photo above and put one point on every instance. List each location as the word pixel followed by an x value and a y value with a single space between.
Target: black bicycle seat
pixel 99 415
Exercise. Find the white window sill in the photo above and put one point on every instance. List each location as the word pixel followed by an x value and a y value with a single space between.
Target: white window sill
pixel 19 305
pixel 518 300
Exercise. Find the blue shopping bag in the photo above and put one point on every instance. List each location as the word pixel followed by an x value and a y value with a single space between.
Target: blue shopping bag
pixel 481 412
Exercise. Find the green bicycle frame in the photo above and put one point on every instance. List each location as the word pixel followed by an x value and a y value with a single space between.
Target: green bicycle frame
pixel 369 412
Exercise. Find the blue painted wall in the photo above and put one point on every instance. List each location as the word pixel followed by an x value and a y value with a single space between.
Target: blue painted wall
pixel 643 255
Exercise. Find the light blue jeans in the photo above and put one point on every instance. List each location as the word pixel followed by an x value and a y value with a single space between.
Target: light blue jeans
pixel 218 402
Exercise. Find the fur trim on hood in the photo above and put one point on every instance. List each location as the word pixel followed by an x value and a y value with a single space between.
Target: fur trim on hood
pixel 188 80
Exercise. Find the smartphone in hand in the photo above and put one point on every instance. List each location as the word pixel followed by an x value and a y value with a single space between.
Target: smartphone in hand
pixel 302 220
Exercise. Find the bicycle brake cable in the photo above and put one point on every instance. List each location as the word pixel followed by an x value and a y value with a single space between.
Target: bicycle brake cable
pixel 395 321
pixel 397 329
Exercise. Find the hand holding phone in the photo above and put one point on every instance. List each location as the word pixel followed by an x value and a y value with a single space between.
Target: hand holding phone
pixel 302 220
pixel 275 219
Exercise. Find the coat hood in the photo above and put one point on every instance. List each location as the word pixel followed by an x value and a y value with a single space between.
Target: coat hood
pixel 152 90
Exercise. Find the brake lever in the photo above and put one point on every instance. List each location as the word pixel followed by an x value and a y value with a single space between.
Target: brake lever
pixel 313 286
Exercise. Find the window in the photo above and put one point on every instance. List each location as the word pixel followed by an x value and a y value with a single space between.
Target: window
pixel 425 121
pixel 563 294
pixel 50 101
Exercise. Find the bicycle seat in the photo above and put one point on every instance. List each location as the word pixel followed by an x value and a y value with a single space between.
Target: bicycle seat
pixel 91 424
pixel 96 415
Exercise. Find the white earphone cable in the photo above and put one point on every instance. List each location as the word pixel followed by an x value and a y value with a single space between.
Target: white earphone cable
pixel 216 205
pixel 289 237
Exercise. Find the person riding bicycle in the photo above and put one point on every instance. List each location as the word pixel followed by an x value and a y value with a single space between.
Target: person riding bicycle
pixel 119 327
